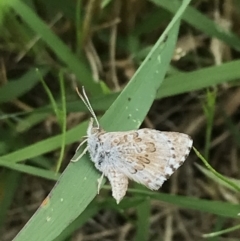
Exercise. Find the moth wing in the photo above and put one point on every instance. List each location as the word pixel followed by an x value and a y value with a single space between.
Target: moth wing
pixel 119 183
pixel 149 156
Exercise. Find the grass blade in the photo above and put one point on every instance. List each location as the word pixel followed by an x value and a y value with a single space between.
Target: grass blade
pixel 77 186
pixel 57 46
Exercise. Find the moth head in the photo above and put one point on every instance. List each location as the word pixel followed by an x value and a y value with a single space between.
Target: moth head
pixel 92 130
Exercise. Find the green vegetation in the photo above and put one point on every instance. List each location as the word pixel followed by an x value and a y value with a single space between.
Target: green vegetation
pixel 168 65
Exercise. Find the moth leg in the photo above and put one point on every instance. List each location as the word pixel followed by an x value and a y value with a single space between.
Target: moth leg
pixel 82 154
pixel 100 182
pixel 81 144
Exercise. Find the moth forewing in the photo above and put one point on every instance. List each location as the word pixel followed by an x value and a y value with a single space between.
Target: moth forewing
pixel 146 156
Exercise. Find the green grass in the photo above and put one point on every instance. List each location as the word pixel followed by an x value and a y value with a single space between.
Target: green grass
pixel 71 202
pixel 77 185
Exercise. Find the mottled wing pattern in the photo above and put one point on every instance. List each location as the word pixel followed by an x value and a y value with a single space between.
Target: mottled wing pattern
pixel 182 145
pixel 119 183
pixel 147 156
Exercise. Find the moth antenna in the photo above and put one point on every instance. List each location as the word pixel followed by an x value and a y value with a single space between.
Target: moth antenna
pixel 82 98
pixel 90 107
pixel 86 102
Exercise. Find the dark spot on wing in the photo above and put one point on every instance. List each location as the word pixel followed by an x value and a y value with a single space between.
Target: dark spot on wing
pixel 100 158
pixel 150 147
pixel 115 141
pixel 96 147
pixel 135 134
pixel 143 159
pixel 134 171
pixel 167 176
pixel 172 167
pixel 107 153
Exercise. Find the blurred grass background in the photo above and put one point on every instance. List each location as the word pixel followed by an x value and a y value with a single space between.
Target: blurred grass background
pixel 49 47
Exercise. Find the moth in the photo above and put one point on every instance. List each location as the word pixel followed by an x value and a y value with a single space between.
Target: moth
pixel 147 156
